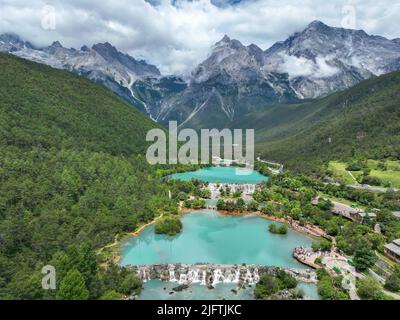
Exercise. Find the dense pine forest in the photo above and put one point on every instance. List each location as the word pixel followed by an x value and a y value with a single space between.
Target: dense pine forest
pixel 72 176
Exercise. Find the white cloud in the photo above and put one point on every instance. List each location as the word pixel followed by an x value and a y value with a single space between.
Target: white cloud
pixel 296 67
pixel 177 37
pixel 299 66
pixel 325 70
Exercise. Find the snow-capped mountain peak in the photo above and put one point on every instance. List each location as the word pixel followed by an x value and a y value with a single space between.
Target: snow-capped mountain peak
pixel 12 42
pixel 234 79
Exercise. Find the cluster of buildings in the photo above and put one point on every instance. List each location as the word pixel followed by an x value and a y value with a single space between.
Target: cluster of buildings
pixel 350 212
pixel 392 250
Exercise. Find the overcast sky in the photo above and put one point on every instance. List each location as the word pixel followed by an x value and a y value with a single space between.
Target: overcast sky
pixel 176 35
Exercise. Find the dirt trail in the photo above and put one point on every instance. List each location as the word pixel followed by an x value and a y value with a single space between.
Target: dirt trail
pixel 138 231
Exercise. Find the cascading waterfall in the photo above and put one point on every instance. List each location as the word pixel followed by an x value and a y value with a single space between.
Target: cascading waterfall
pixel 183 279
pixel 228 276
pixel 248 277
pixel 203 279
pixel 256 276
pixel 237 276
pixel 148 276
pixel 144 274
pixel 211 274
pixel 207 275
pixel 232 276
pixel 172 277
pixel 218 277
pixel 193 276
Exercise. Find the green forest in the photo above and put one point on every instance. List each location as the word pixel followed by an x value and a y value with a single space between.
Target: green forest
pixel 72 176
pixel 362 122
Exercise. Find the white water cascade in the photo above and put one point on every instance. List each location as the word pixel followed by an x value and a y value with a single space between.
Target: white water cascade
pixel 144 274
pixel 211 275
pixel 183 279
pixel 248 277
pixel 203 278
pixel 172 277
pixel 218 277
pixel 193 276
pixel 256 276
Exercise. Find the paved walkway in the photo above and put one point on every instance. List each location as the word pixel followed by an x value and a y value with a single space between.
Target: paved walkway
pixel 371 188
pixel 275 171
pixel 392 294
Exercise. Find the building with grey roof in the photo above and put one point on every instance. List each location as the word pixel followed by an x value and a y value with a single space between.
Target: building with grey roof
pixel 392 250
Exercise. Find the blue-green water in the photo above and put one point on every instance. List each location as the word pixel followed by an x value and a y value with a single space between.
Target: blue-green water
pixel 208 237
pixel 160 290
pixel 211 202
pixel 222 175
pixel 310 290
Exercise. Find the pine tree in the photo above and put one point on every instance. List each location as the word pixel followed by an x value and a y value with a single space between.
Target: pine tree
pixel 73 287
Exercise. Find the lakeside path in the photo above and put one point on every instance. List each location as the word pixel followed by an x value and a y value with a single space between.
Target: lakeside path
pixel 117 240
pixel 138 231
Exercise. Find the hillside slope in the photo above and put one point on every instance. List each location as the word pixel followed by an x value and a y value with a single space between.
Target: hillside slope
pixel 360 122
pixel 42 106
pixel 71 172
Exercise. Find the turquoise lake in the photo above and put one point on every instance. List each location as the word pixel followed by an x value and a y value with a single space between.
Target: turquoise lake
pixel 208 237
pixel 160 290
pixel 222 175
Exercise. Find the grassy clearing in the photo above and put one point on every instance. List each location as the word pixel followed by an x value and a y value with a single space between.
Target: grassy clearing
pixel 391 175
pixel 341 200
pixel 340 173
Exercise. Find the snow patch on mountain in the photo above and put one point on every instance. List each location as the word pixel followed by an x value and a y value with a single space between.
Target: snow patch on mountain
pixel 234 79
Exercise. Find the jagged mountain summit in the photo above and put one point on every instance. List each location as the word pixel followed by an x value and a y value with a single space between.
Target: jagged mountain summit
pixel 229 83
pixel 102 63
pixel 235 79
pixel 323 59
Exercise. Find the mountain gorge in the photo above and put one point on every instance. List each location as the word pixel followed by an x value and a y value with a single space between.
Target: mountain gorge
pixel 235 80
